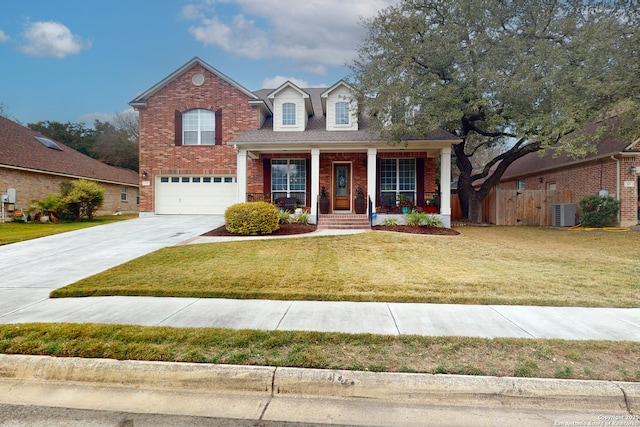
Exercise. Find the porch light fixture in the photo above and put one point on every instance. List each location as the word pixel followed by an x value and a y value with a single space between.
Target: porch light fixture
pixel 541 180
pixel 633 170
pixel 144 175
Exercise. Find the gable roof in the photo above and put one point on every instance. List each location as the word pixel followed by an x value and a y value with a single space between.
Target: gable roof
pixel 316 131
pixel 611 143
pixel 19 149
pixel 141 100
pixel 324 95
pixel 304 94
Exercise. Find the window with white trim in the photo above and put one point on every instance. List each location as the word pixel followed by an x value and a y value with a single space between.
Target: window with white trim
pixel 342 113
pixel 288 114
pixel 398 176
pixel 289 179
pixel 198 127
pixel 123 194
pixel 521 184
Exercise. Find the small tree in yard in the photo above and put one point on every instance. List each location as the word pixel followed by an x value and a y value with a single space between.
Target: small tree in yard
pixel 598 211
pixel 82 198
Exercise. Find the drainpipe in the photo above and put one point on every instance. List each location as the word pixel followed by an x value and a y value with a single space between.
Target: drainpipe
pixel 617 182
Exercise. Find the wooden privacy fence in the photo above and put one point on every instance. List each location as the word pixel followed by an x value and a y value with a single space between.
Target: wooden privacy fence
pixel 523 207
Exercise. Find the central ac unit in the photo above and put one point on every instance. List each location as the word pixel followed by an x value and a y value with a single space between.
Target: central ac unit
pixel 563 214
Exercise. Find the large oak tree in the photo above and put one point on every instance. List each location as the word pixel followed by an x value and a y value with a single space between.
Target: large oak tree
pixel 519 75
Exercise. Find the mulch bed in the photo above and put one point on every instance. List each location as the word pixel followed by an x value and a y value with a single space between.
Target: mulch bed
pixel 289 229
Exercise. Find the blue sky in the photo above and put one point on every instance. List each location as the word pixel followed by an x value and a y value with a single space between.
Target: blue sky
pixel 78 60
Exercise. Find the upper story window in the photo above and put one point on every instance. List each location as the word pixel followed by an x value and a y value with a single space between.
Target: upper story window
pixel 342 113
pixel 198 127
pixel 288 114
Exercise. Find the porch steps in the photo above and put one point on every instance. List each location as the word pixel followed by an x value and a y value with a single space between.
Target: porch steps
pixel 345 221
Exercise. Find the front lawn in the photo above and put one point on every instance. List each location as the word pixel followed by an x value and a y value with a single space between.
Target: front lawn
pixel 484 265
pixel 17 231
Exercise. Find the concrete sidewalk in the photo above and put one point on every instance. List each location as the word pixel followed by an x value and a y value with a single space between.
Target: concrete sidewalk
pixel 30 270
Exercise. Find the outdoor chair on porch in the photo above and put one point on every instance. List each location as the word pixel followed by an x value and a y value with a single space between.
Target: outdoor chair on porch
pixel 388 203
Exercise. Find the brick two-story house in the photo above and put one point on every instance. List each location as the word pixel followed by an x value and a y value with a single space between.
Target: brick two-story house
pixel 206 143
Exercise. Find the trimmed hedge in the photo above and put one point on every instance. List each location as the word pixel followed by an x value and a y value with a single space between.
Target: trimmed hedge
pixel 598 211
pixel 251 218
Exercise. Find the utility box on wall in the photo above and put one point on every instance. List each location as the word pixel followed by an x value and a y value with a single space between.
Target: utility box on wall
pixel 564 214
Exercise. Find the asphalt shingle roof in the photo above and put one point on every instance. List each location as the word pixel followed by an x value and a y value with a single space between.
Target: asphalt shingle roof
pixel 316 127
pixel 20 149
pixel 611 143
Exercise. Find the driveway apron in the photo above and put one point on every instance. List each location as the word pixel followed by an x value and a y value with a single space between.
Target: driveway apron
pixel 30 270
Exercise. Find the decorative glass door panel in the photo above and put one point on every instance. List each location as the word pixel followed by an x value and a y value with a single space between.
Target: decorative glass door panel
pixel 342 186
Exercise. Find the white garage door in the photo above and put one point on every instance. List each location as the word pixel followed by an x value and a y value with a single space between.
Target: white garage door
pixel 195 194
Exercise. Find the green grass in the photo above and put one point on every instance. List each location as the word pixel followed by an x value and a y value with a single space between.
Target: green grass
pixel 484 265
pixel 17 231
pixel 614 361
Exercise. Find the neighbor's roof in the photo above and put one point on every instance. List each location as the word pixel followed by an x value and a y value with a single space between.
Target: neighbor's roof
pixel 19 149
pixel 609 144
pixel 316 131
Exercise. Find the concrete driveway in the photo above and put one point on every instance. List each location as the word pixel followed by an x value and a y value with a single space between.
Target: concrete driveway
pixel 30 270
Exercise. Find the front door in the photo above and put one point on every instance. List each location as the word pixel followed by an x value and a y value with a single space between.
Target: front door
pixel 342 186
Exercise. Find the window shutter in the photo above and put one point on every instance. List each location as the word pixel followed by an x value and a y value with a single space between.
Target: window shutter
pixel 308 174
pixel 218 127
pixel 420 181
pixel 266 175
pixel 178 127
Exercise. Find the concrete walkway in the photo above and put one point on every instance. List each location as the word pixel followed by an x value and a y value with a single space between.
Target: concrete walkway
pixel 30 270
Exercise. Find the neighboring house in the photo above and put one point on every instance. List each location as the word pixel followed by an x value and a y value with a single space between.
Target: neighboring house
pixel 207 143
pixel 614 169
pixel 33 166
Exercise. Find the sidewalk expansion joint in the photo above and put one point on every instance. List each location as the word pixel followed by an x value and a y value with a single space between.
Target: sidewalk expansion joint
pixel 282 318
pixel 512 322
pixel 395 323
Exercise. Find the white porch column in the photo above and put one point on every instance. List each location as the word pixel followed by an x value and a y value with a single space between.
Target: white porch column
pixel 445 185
pixel 372 165
pixel 315 179
pixel 241 175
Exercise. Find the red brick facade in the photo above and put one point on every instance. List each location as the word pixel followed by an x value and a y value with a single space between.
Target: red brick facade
pixel 34 186
pixel 587 178
pixel 159 153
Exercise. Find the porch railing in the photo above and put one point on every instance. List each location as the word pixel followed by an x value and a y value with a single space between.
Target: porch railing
pixel 388 200
pixel 300 197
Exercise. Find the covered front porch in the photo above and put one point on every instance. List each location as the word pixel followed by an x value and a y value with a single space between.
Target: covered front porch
pixel 386 177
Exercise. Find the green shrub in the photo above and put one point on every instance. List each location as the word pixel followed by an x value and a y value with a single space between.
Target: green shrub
pixel 598 211
pixel 422 218
pixel 81 198
pixel 302 218
pixel 283 216
pixel 251 218
pixel 390 221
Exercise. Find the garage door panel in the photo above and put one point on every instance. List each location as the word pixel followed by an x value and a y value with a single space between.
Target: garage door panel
pixel 202 195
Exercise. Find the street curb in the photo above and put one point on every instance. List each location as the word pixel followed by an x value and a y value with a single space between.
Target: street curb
pixel 533 393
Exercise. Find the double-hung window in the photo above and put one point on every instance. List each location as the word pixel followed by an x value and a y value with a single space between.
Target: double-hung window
pixel 398 176
pixel 198 127
pixel 342 113
pixel 289 179
pixel 288 114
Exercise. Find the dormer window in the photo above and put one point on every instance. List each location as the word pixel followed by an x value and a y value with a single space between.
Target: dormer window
pixel 342 113
pixel 288 114
pixel 198 127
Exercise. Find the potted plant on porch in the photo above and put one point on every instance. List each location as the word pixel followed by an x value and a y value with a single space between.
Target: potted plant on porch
pixel 324 201
pixel 404 203
pixel 431 205
pixel 360 205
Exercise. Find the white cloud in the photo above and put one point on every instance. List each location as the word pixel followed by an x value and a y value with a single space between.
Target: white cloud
pixel 313 35
pixel 51 39
pixel 277 81
pixel 4 37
